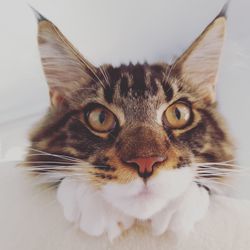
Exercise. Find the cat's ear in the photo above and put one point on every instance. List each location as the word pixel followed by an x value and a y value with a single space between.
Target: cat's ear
pixel 199 64
pixel 64 67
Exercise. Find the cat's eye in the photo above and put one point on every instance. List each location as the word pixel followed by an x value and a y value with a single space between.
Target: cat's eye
pixel 178 115
pixel 101 120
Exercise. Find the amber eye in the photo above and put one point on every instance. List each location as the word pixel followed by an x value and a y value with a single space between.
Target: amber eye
pixel 178 115
pixel 101 120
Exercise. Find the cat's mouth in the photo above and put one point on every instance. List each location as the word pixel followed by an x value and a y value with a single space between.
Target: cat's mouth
pixel 145 191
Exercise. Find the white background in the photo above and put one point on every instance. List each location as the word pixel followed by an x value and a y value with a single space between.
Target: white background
pixel 116 31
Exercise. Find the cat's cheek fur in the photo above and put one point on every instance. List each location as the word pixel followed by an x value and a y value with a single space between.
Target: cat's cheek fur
pixel 86 208
pixel 182 214
pixel 142 202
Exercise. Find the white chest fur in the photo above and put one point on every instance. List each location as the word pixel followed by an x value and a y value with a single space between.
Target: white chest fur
pixel 171 201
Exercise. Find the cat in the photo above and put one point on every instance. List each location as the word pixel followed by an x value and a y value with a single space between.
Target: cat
pixel 134 142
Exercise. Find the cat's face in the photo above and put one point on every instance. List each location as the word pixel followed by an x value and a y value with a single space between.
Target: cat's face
pixel 136 133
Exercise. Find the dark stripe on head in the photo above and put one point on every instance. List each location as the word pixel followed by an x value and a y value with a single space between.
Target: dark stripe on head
pixel 168 90
pixel 138 73
pixel 109 90
pixel 153 86
pixel 124 86
pixel 109 93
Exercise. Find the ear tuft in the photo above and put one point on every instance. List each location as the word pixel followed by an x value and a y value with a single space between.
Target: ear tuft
pixel 38 15
pixel 200 63
pixel 65 68
pixel 224 10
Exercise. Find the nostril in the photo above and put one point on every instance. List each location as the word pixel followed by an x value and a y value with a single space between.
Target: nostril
pixel 145 165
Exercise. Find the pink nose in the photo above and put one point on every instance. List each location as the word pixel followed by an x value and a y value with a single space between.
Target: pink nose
pixel 145 165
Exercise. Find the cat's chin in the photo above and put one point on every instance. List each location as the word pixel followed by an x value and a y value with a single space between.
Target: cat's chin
pixel 141 200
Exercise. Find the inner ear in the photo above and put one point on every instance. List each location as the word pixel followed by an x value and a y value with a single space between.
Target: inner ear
pixel 66 70
pixel 199 64
pixel 57 99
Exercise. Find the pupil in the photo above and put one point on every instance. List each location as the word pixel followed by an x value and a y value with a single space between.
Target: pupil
pixel 102 117
pixel 177 113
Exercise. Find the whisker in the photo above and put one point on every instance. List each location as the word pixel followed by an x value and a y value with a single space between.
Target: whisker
pixel 232 160
pixel 217 175
pixel 169 72
pixel 44 152
pixel 218 164
pixel 223 171
pixel 104 75
pixel 223 168
pixel 93 72
pixel 61 175
pixel 48 162
pixel 56 168
pixel 56 155
pixel 220 169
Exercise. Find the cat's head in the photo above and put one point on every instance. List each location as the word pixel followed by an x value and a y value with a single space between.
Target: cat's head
pixel 139 134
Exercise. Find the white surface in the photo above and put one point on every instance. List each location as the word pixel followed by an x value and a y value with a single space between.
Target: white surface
pixel 31 219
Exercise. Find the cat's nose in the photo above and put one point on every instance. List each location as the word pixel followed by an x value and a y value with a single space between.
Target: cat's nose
pixel 145 165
